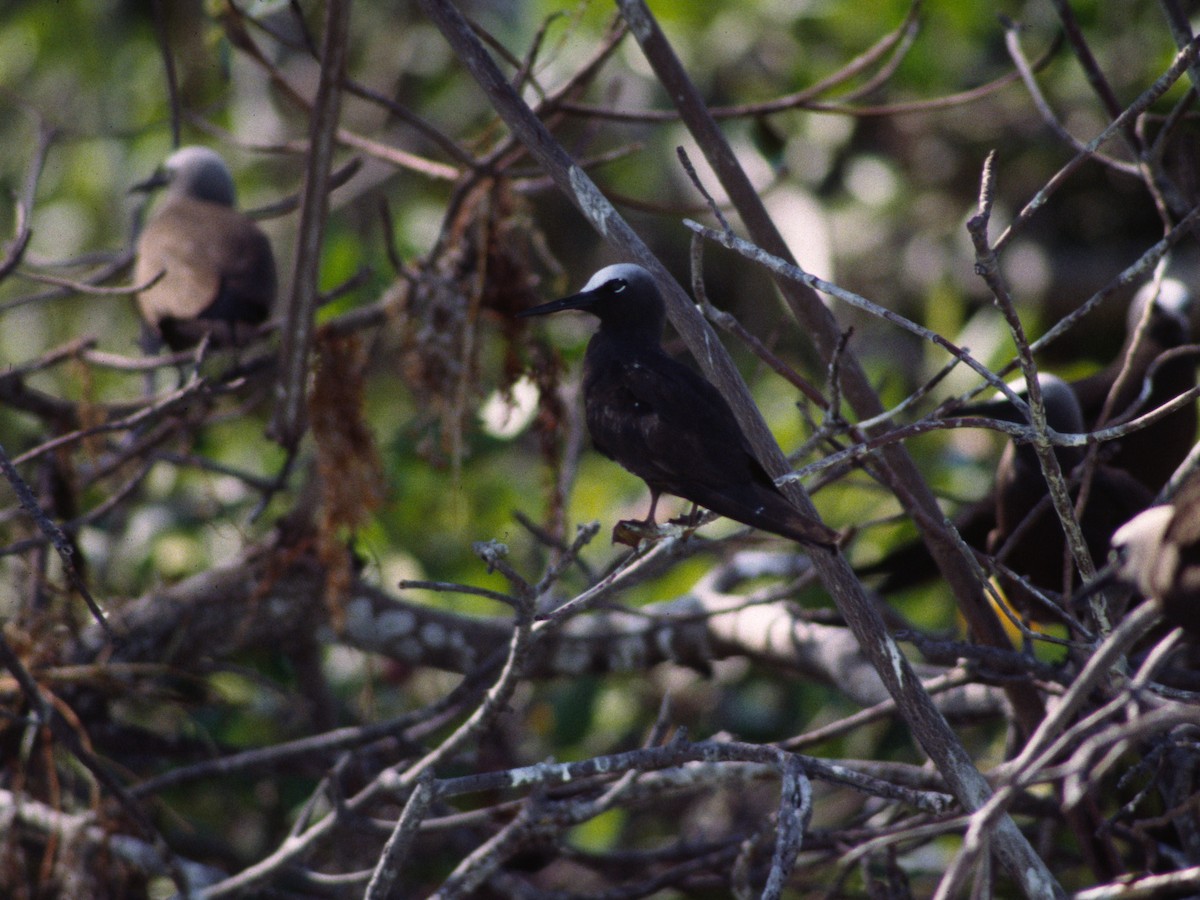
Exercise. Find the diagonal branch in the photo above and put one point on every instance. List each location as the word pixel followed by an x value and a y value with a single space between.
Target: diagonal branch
pixel 927 724
pixel 900 472
pixel 287 426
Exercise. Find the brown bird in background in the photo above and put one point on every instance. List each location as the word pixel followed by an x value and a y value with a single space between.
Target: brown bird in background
pixel 663 421
pixel 218 271
pixel 1028 535
pixel 1149 454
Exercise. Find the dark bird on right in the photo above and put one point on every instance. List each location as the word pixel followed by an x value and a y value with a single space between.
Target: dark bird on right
pixel 1158 553
pixel 1150 455
pixel 215 269
pixel 662 420
pixel 1028 535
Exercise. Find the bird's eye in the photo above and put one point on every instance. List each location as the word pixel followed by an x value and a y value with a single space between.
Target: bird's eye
pixel 617 285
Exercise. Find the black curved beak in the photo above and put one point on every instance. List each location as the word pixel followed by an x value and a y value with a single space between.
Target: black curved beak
pixel 583 301
pixel 160 178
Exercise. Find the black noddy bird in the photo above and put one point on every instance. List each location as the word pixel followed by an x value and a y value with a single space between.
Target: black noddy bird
pixel 663 421
pixel 1158 553
pixel 218 271
pixel 1028 535
pixel 1149 454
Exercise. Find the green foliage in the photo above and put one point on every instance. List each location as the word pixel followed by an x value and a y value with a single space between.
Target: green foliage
pixel 874 202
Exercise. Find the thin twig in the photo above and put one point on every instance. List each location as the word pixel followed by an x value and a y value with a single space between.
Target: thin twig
pixel 1183 60
pixel 288 423
pixel 395 851
pixel 1012 42
pixel 24 204
pixel 987 266
pixel 60 542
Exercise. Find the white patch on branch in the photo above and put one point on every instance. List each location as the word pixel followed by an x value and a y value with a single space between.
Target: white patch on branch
pixel 594 204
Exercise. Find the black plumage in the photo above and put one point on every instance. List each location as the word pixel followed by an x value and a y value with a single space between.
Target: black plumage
pixel 1028 535
pixel 663 421
pixel 1149 454
pixel 215 267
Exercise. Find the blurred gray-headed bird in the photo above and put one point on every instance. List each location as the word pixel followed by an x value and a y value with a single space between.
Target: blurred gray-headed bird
pixel 217 269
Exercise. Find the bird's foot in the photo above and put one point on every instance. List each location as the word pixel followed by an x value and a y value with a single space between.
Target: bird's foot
pixel 633 532
pixel 692 520
pixel 688 524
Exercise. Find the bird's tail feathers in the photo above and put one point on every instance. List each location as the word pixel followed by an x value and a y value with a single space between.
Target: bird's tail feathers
pixel 774 513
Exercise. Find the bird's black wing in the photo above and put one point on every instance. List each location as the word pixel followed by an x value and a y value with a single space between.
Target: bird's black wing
pixel 665 423
pixel 668 425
